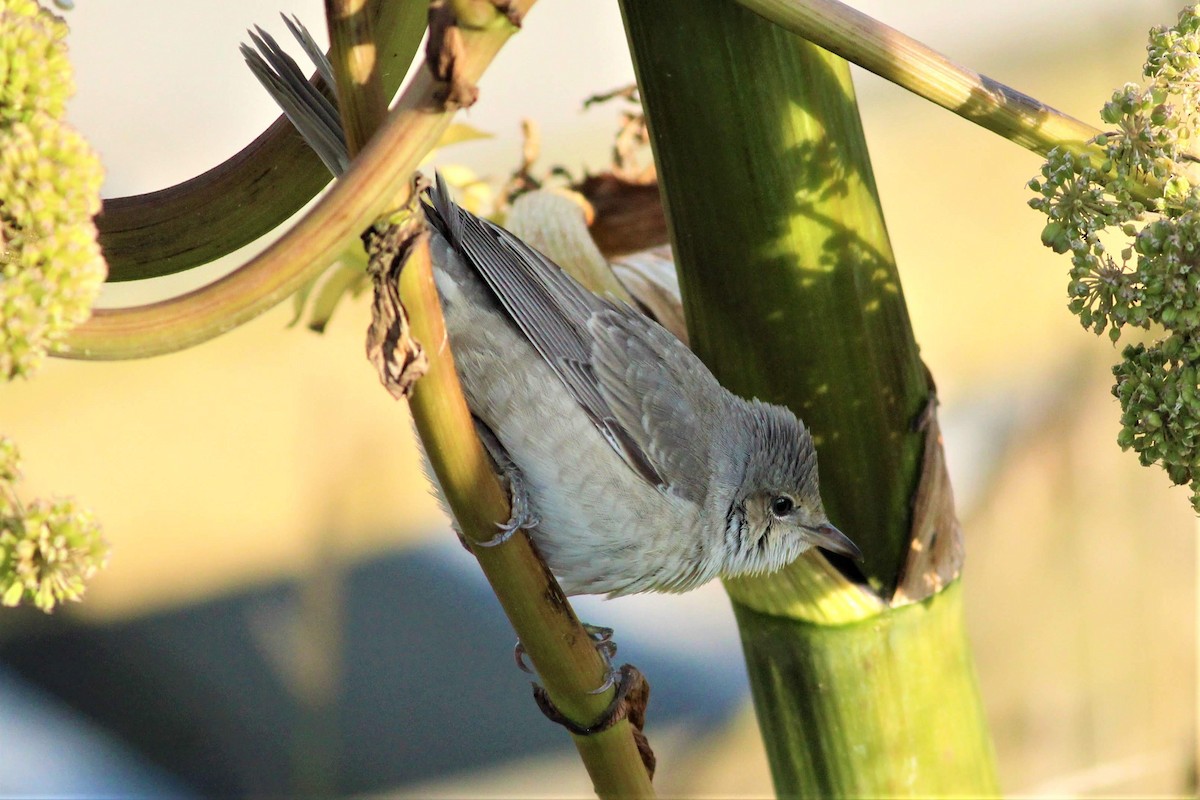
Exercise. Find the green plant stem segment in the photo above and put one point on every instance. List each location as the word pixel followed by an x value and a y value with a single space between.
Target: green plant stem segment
pixel 899 58
pixel 247 196
pixel 876 679
pixel 355 61
pixel 377 181
pixel 792 295
pixel 568 664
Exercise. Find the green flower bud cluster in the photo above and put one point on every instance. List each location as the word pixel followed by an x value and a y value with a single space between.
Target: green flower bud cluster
pixel 1159 391
pixel 48 548
pixel 1131 224
pixel 50 263
pixel 35 75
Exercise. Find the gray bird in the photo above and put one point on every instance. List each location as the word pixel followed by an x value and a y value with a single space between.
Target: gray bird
pixel 642 472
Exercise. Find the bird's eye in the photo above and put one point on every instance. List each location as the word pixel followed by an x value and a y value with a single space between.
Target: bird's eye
pixel 782 505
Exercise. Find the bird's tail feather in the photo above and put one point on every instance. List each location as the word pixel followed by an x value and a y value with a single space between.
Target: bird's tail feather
pixel 442 212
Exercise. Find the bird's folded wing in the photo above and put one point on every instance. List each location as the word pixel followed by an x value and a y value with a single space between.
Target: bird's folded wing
pixel 549 308
pixel 662 394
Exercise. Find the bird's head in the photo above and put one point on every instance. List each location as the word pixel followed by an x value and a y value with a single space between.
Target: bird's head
pixel 776 514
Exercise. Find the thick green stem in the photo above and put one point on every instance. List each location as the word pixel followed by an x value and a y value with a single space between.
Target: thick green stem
pixel 792 295
pixel 902 729
pixel 789 284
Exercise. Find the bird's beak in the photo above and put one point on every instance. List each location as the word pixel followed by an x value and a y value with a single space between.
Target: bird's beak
pixel 830 538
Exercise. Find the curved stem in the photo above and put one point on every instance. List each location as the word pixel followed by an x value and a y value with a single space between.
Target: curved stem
pixel 377 181
pixel 247 196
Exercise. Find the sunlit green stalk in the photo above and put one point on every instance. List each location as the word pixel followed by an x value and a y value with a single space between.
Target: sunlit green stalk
pixel 567 663
pixel 355 61
pixel 888 707
pixel 906 62
pixel 789 284
pixel 792 295
pixel 897 57
pixel 561 651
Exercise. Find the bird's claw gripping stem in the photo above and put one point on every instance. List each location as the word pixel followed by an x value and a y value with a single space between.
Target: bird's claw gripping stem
pixel 522 514
pixel 602 640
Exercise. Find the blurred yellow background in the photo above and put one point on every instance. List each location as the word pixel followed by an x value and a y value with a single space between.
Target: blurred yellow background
pixel 226 466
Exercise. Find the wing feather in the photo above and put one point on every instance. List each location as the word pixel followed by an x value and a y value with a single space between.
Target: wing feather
pixel 548 307
pixel 624 371
pixel 661 392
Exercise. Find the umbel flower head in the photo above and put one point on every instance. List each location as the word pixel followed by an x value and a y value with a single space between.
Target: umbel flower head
pixel 48 549
pixel 50 263
pixel 1130 221
pixel 35 75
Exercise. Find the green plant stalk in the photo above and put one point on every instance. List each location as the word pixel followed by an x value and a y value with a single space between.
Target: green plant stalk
pixel 789 285
pixel 376 182
pixel 567 663
pixel 897 57
pixel 876 679
pixel 250 194
pixel 792 296
pixel 560 649
pixel 355 62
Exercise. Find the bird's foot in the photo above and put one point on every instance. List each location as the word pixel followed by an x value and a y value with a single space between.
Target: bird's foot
pixel 602 640
pixel 522 664
pixel 522 515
